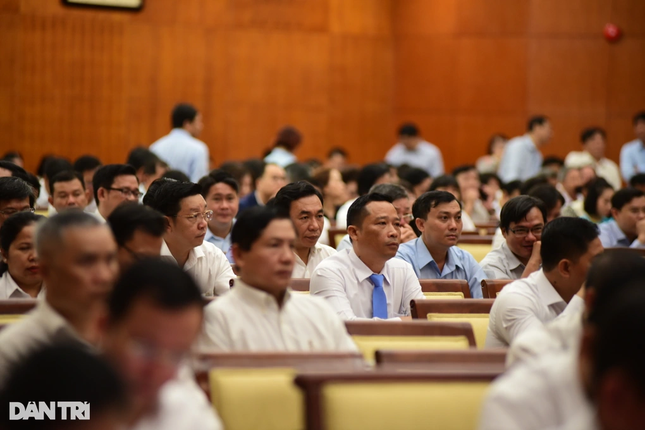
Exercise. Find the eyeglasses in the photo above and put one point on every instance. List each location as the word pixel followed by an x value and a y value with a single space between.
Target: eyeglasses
pixel 8 212
pixel 127 193
pixel 523 231
pixel 208 215
pixel 408 217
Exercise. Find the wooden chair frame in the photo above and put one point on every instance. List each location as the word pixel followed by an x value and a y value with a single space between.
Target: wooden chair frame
pixel 491 287
pixel 445 286
pixel 421 308
pixel 411 328
pixel 467 356
pixel 332 233
pixel 17 306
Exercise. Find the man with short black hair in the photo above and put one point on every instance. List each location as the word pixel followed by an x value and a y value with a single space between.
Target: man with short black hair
pixel 155 314
pixel 627 226
pixel 568 246
pixel 114 184
pixel 181 149
pixel 594 142
pixel 521 221
pixel 632 154
pixel 271 178
pixel 187 216
pixel 303 204
pixel 637 181
pixel 138 231
pixel 366 281
pixel 67 191
pixel 87 165
pixel 15 196
pixel 414 151
pixel 261 313
pixel 220 190
pixel 148 166
pixel 522 158
pixel 78 264
pixel 437 215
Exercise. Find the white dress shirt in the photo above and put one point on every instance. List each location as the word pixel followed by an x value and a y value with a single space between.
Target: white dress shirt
pixel 523 305
pixel 605 168
pixel 540 394
pixel 341 215
pixel 249 319
pixel 498 238
pixel 501 263
pixel 183 152
pixel 208 266
pixel 181 405
pixel 317 254
pixel 10 290
pixel 343 279
pixel 42 326
pixel 425 156
pixel 281 157
pixel 345 243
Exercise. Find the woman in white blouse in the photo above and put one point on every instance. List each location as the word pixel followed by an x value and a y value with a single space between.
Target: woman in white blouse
pixel 20 274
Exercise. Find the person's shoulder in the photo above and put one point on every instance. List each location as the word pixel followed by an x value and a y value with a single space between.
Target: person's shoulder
pixel 398 263
pixel 337 260
pixel 462 254
pixel 213 253
pixel 409 247
pixel 631 144
pixel 326 250
pixel 429 146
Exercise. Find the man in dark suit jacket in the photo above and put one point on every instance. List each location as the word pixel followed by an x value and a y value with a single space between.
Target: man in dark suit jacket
pixel 273 178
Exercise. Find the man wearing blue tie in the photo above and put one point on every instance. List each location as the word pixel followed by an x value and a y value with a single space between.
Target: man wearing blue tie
pixel 366 282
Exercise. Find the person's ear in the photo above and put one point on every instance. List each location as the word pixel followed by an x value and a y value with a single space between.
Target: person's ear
pixel 238 256
pixel 169 224
pixel 4 256
pixel 504 232
pixel 421 224
pixel 353 232
pixel 88 196
pixel 50 199
pixel 564 267
pixel 614 212
pixel 101 193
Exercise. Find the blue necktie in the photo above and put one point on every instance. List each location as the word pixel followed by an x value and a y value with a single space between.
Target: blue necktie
pixel 379 301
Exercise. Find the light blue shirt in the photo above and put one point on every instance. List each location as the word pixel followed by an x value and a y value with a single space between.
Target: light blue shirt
pixel 632 159
pixel 612 236
pixel 522 160
pixel 459 265
pixel 223 243
pixel 425 156
pixel 281 157
pixel 183 152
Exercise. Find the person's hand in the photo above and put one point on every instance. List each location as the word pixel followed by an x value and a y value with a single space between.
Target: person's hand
pixel 408 318
pixel 640 228
pixel 535 261
pixel 470 195
pixel 407 234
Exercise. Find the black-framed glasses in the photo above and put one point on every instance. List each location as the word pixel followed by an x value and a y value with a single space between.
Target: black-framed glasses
pixel 127 193
pixel 523 231
pixel 8 212
pixel 208 215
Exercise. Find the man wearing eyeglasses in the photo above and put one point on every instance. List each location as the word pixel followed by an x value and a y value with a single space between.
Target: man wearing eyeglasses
pixel 114 184
pixel 521 222
pixel 434 255
pixel 187 216
pixel 15 196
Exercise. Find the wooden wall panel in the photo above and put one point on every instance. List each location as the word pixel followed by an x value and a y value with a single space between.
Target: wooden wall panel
pixel 619 132
pixel 473 131
pixel 361 17
pixel 571 17
pixel 425 17
pixel 492 17
pixel 627 77
pixel 567 129
pixel 9 76
pixel 310 15
pixel 629 15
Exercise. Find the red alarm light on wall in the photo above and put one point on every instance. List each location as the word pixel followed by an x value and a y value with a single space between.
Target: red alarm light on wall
pixel 612 33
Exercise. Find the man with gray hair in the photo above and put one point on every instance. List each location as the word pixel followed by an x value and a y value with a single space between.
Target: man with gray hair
pixel 78 263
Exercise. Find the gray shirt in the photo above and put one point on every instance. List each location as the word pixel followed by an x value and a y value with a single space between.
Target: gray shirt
pixel 501 263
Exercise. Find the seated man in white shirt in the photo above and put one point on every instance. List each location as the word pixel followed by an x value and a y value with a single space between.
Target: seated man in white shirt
pixel 303 204
pixel 154 317
pixel 67 190
pixel 568 246
pixel 187 216
pixel 138 231
pixel 78 264
pixel 546 390
pixel 435 255
pixel 220 190
pixel 261 313
pixel 627 228
pixel 114 184
pixel 521 221
pixel 366 282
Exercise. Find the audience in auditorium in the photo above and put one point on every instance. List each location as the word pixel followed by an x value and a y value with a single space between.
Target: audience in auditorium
pixel 594 143
pixel 20 273
pixel 148 166
pixel 87 165
pixel 434 255
pixel 186 216
pixel 567 247
pixel 638 181
pixel 632 156
pixel 418 180
pixel 449 183
pixel 220 190
pixel 78 264
pixel 114 184
pixel 414 151
pixel 286 143
pixel 241 175
pixel 15 196
pixel 522 158
pixel 467 178
pixel 181 149
pixel 261 313
pixel 627 226
pixel 489 163
pixel 569 184
pixel 366 281
pixel 67 191
pixel 522 220
pixel 336 159
pixel 334 190
pixel 138 231
pixel 595 206
pixel 270 179
pixel 303 204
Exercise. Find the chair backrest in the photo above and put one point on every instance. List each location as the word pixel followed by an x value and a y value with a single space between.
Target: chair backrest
pixel 473 311
pixel 445 288
pixel 492 287
pixel 394 400
pixel 299 284
pixel 640 251
pixel 477 250
pixel 476 239
pixel 17 306
pixel 335 236
pixel 371 336
pixel 442 360
pixel 256 391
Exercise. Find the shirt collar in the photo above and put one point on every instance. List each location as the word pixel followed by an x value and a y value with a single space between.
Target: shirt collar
pixel 12 287
pixel 312 252
pixel 620 235
pixel 548 295
pixel 513 261
pixel 424 258
pixel 362 271
pixel 257 297
pixel 180 131
pixel 193 256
